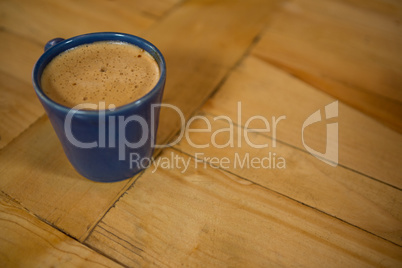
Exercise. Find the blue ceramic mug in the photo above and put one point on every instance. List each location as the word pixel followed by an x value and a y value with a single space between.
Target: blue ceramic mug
pixel 109 144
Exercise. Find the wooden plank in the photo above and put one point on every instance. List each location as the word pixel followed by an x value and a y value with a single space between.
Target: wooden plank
pixel 19 107
pixel 364 144
pixel 209 217
pixel 339 192
pixel 201 41
pixel 347 48
pixel 18 56
pixel 35 171
pixel 43 20
pixel 199 53
pixel 24 30
pixel 25 241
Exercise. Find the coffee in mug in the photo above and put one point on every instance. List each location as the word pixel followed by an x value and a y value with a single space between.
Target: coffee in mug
pixel 112 72
pixel 102 93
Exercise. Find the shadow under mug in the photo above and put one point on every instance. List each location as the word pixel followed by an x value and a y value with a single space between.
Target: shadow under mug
pixel 105 145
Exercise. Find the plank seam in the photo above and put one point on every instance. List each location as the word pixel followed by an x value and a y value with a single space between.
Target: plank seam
pixel 159 19
pixel 23 131
pixel 304 151
pixel 360 107
pixel 290 198
pixel 139 175
pixel 54 226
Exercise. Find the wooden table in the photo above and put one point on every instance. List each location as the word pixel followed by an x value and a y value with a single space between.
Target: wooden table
pixel 236 188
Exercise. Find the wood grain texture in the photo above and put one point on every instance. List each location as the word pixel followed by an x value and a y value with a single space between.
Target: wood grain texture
pixel 201 41
pixel 276 57
pixel 364 144
pixel 34 166
pixel 35 171
pixel 347 48
pixel 19 107
pixel 26 241
pixel 43 20
pixel 342 193
pixel 25 27
pixel 208 217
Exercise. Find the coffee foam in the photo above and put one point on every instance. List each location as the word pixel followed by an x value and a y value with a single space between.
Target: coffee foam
pixel 110 72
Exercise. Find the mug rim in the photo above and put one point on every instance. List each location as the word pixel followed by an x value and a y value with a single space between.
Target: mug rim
pixel 88 38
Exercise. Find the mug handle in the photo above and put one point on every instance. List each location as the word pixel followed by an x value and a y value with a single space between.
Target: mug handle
pixel 53 42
